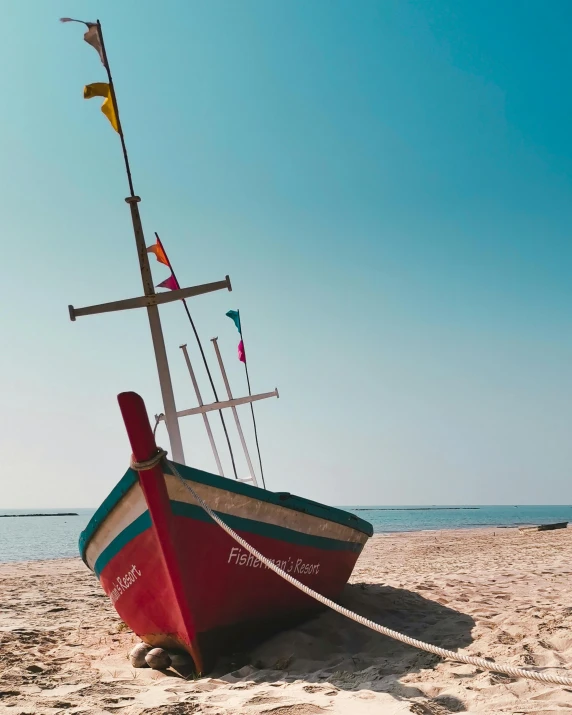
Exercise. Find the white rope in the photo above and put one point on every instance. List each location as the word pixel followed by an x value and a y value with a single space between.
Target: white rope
pixel 149 463
pixel 483 663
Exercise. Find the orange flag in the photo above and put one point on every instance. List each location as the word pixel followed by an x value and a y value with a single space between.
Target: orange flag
pixel 159 252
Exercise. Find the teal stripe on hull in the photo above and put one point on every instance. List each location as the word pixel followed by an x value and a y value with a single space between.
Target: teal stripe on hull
pixel 238 523
pixel 110 502
pixel 141 524
pixel 262 528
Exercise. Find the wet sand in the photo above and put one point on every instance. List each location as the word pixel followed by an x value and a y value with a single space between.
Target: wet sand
pixel 503 594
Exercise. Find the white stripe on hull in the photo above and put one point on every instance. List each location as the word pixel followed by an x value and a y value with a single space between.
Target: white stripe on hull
pixel 131 506
pixel 226 502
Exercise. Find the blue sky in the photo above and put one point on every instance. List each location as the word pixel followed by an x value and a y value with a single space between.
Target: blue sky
pixel 388 186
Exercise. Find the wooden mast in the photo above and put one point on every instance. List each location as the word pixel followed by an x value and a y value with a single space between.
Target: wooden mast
pixel 165 382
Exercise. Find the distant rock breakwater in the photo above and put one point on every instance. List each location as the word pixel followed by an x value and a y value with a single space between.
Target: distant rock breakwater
pixel 8 516
pixel 419 508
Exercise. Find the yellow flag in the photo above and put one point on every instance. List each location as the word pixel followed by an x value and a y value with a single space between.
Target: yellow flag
pixel 101 89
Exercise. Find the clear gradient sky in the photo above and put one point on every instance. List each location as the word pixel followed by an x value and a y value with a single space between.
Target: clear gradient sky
pixel 388 185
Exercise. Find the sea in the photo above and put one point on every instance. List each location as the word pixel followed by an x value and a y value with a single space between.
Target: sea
pixel 30 538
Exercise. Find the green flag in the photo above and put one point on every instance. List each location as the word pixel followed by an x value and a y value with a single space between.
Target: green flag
pixel 234 315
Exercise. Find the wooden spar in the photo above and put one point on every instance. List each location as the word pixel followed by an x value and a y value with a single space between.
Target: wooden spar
pixel 234 412
pixel 205 416
pixel 234 402
pixel 202 409
pixel 146 301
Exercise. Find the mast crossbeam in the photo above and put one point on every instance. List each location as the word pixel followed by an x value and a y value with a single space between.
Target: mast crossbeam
pixel 223 405
pixel 146 301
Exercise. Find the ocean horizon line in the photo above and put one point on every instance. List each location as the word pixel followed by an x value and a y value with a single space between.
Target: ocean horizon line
pixel 51 536
pixel 365 507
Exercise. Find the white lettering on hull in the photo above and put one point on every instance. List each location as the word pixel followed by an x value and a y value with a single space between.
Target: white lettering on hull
pixel 238 557
pixel 122 583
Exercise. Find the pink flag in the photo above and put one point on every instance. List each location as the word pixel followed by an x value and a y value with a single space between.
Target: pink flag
pixel 241 353
pixel 170 283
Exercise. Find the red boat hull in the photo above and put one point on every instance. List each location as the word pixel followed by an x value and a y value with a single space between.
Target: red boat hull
pixel 178 580
pixel 228 591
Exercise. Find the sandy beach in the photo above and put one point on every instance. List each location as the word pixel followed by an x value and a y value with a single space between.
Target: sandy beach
pixel 498 593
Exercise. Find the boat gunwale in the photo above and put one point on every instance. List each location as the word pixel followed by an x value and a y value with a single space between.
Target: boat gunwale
pixel 283 499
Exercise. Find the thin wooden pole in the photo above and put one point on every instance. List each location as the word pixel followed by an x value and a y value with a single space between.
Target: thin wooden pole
pixel 251 405
pixel 234 412
pixel 200 401
pixel 165 382
pixel 116 109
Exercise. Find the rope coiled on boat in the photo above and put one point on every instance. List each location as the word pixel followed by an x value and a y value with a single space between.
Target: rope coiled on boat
pixel 483 663
pixel 151 463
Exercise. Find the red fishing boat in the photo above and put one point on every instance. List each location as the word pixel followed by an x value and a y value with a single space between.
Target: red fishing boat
pixel 176 578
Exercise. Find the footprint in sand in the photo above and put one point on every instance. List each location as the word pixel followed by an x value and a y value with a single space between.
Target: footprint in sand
pixel 296 709
pixel 263 700
pixel 219 698
pixel 175 709
pixel 505 638
pixel 60 704
pixel 431 708
pixel 242 686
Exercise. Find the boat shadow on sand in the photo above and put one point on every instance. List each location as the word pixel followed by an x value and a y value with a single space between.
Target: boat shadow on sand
pixel 331 649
